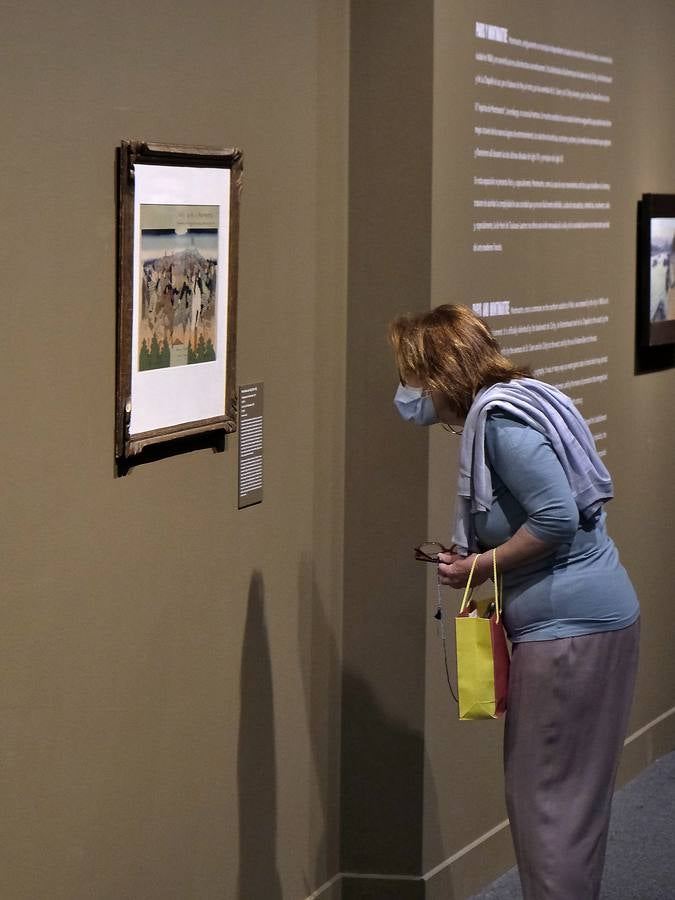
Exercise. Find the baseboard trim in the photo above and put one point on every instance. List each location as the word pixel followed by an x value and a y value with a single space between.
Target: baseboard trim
pixel 369 877
pixel 469 847
pixel 642 760
pixel 319 892
pixel 645 728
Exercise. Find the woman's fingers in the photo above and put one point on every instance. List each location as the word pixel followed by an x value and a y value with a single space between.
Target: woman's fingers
pixel 451 574
pixel 449 558
pixel 455 572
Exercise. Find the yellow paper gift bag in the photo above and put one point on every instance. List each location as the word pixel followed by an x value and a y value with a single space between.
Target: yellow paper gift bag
pixel 482 655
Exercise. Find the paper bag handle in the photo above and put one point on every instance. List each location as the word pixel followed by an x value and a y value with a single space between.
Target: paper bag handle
pixel 468 590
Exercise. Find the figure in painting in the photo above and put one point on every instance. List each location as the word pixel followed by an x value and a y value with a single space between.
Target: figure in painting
pixel 670 281
pixel 177 308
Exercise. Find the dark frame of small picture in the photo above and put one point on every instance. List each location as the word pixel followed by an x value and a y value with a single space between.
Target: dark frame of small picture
pixel 655 283
pixel 177 267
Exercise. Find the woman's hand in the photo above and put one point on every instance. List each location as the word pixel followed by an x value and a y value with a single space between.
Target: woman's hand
pixel 454 570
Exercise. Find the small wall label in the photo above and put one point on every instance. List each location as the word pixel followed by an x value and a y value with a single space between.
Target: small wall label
pixel 250 444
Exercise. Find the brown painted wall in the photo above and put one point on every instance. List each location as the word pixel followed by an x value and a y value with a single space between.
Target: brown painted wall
pixel 172 669
pixel 169 665
pixel 463 786
pixel 397 493
pixel 389 244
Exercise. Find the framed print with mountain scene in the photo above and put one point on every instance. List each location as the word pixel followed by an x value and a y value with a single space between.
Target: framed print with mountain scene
pixel 178 224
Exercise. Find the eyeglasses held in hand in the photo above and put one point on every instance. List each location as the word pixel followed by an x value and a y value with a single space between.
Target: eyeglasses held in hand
pixel 429 550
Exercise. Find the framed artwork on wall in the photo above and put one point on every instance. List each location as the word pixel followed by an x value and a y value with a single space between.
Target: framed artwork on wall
pixel 178 232
pixel 656 269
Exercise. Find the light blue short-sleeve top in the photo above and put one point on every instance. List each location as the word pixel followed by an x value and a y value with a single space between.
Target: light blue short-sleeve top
pixel 581 588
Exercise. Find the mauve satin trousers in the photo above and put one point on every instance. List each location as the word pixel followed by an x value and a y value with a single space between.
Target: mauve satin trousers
pixel 568 706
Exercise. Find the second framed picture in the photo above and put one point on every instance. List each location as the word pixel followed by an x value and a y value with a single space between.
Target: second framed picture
pixel 656 270
pixel 178 229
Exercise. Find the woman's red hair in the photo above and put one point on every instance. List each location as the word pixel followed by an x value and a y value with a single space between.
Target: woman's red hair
pixel 451 350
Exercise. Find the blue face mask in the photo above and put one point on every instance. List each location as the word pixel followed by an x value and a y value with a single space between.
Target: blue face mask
pixel 415 406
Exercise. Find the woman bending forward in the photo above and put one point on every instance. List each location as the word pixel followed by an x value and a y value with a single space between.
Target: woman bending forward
pixel 531 485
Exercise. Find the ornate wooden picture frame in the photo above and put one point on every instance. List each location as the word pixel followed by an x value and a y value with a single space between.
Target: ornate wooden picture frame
pixel 177 264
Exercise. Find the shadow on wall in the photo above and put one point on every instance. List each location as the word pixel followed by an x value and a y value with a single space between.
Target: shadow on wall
pixel 389 820
pixel 384 812
pixel 389 801
pixel 382 817
pixel 319 665
pixel 256 758
pixel 382 786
